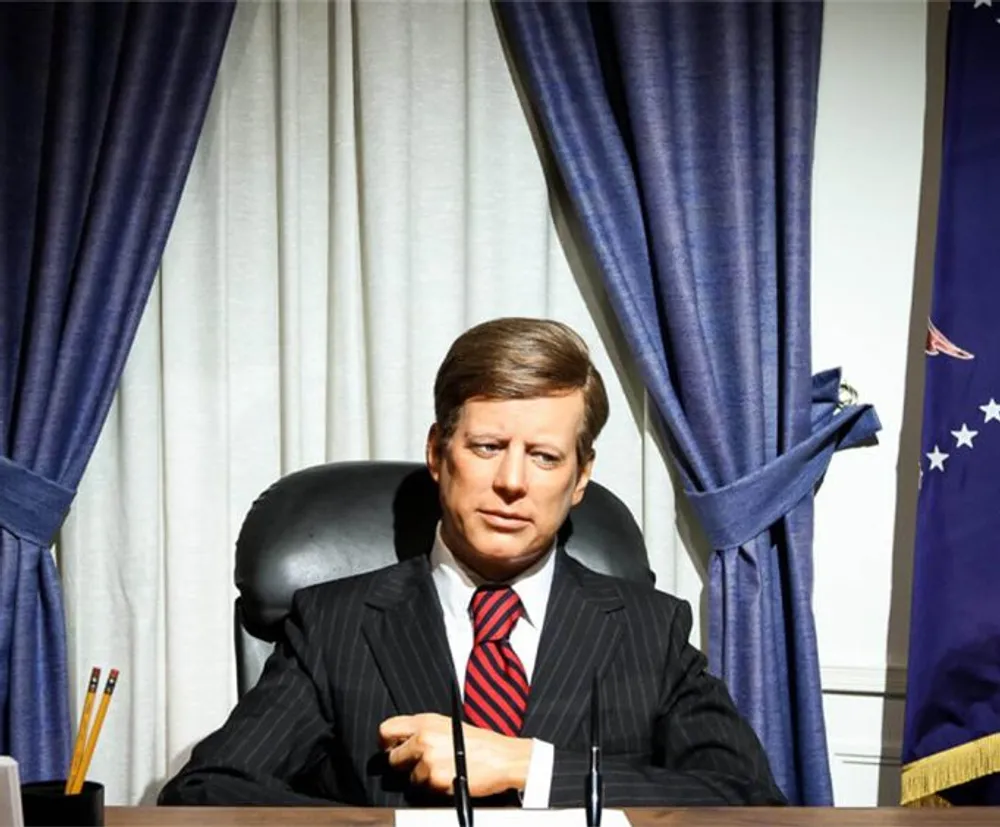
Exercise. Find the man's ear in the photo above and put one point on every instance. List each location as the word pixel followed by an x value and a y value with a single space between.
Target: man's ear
pixel 433 452
pixel 582 479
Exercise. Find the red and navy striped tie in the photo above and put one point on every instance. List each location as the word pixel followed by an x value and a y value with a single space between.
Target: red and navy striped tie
pixel 496 687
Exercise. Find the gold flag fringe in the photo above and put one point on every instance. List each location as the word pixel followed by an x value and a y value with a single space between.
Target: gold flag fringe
pixel 924 778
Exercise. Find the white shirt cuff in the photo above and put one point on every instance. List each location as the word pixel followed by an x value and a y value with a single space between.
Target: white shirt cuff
pixel 539 781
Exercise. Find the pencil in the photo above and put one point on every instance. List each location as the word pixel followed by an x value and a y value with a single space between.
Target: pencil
pixel 102 710
pixel 81 733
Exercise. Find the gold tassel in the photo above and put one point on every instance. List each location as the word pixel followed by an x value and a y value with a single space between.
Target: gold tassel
pixel 924 778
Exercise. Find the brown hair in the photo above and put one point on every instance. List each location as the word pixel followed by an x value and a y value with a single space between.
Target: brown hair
pixel 518 358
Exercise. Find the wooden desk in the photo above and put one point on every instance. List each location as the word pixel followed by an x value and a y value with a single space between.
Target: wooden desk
pixel 736 817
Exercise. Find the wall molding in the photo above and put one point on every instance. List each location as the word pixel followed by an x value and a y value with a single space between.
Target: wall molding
pixel 889 681
pixel 862 754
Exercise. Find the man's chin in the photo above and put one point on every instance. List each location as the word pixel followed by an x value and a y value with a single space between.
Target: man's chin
pixel 504 563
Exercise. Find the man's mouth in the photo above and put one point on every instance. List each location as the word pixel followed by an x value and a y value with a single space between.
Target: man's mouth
pixel 504 519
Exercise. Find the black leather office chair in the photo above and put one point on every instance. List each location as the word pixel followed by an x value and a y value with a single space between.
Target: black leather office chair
pixel 336 520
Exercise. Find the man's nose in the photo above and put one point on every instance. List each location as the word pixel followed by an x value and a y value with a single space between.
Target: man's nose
pixel 511 480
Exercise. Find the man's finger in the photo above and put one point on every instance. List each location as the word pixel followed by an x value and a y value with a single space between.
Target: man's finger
pixel 420 773
pixel 405 754
pixel 393 731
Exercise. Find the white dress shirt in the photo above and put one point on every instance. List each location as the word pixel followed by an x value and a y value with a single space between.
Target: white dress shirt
pixel 455 586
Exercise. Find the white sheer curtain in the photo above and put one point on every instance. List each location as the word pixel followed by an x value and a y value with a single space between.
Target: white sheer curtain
pixel 366 187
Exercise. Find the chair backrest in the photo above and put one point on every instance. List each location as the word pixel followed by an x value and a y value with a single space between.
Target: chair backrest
pixel 340 519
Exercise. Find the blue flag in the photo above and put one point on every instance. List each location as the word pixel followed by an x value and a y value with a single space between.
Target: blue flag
pixel 951 741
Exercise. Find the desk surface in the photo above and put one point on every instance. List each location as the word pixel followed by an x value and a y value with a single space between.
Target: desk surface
pixel 736 817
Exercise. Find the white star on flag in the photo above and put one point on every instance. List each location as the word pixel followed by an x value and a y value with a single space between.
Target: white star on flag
pixel 964 436
pixel 937 458
pixel 991 409
pixel 983 3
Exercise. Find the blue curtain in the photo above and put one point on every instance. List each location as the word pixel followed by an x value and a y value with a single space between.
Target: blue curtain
pixel 101 105
pixel 684 133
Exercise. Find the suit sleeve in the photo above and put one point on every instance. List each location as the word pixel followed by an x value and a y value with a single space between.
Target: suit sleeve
pixel 704 753
pixel 278 731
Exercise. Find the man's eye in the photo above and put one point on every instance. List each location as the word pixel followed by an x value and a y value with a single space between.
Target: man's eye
pixel 546 459
pixel 485 448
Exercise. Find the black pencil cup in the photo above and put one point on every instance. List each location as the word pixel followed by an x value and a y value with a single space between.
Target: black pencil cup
pixel 46 805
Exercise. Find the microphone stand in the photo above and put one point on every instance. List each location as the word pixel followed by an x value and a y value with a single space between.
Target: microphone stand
pixel 463 803
pixel 594 800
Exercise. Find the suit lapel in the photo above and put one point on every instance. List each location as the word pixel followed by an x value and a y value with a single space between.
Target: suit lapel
pixel 405 631
pixel 404 628
pixel 579 636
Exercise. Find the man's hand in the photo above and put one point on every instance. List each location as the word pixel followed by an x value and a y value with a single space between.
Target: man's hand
pixel 422 744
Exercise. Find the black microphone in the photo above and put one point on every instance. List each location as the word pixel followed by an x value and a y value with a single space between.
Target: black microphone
pixel 595 785
pixel 463 804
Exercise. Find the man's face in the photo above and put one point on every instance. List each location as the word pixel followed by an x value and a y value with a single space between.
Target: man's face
pixel 508 477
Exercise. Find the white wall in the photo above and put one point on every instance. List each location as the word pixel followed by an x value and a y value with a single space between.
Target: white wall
pixel 874 210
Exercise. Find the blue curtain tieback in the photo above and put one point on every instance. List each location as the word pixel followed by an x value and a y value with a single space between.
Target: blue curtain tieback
pixel 735 514
pixel 31 507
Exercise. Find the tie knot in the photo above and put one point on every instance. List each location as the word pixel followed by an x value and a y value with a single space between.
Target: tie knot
pixel 495 610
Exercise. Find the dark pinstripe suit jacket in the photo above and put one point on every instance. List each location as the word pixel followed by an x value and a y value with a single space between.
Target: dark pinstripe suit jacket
pixel 360 650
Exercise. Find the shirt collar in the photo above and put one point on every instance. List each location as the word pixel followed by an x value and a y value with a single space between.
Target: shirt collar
pixel 456 583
